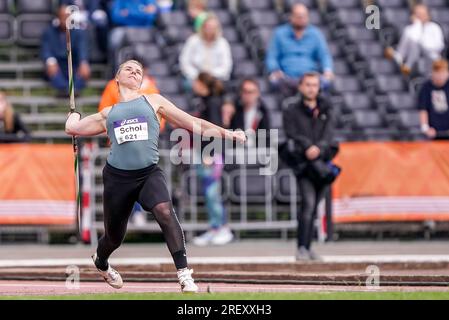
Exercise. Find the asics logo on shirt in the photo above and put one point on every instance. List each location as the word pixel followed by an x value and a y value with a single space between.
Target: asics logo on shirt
pixel 130 121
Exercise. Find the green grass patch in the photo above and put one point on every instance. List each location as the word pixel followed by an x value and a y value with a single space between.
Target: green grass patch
pixel 247 296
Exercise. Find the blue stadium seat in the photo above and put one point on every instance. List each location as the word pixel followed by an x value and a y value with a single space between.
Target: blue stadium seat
pixel 174 34
pixel 310 4
pixel 6 29
pixel 30 28
pixel 351 16
pixel 401 101
pixel 257 186
pixel 440 15
pixel 159 69
pixel 168 86
pixel 250 5
pixel 366 119
pixel 239 52
pixel 214 4
pixel 435 3
pixel 360 33
pixel 356 101
pixel 389 83
pixel 4 6
pixel 231 34
pixel 346 84
pixel 139 35
pixel 245 68
pixel 334 4
pixel 224 17
pixel 382 66
pixel 341 67
pixel 176 18
pixel 271 102
pixel 263 18
pixel 35 6
pixel 392 3
pixel 397 17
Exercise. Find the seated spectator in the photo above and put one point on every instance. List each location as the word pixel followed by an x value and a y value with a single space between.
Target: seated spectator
pixel 210 92
pixel 54 54
pixel 433 102
pixel 125 14
pixel 92 13
pixel 295 49
pixel 248 111
pixel 197 12
pixel 422 38
pixel 208 51
pixel 12 129
pixel 110 95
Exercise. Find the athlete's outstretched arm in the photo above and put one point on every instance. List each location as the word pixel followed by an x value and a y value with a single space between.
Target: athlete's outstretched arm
pixel 88 126
pixel 182 119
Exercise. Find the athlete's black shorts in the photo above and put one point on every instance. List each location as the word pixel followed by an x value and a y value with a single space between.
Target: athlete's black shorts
pixel 122 188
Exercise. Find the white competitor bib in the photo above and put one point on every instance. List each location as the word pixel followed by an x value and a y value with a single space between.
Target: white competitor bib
pixel 135 129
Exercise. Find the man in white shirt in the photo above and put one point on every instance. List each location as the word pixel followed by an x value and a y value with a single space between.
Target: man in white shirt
pixel 422 38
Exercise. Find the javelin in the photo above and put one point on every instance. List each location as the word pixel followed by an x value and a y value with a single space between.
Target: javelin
pixel 74 142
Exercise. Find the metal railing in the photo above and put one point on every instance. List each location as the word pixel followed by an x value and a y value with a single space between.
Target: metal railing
pixel 271 206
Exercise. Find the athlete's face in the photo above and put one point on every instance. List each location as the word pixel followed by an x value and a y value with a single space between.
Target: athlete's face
pixel 130 76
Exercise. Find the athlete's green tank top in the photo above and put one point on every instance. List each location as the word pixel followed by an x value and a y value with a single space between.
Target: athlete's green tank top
pixel 133 129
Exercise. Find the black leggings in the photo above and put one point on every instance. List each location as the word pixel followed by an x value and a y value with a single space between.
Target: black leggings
pixel 122 188
pixel 311 196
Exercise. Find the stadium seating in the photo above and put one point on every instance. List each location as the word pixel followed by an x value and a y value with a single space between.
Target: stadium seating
pixel 366 81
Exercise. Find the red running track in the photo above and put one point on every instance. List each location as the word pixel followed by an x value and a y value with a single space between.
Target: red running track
pixel 46 288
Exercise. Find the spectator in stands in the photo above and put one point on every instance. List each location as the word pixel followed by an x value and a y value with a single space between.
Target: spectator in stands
pixel 54 54
pixel 197 10
pixel 309 129
pixel 422 38
pixel 211 93
pixel 92 13
pixel 434 101
pixel 128 14
pixel 296 48
pixel 247 111
pixel 12 129
pixel 208 51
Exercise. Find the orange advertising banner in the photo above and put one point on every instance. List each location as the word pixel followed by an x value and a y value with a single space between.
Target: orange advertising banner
pixel 37 184
pixel 392 181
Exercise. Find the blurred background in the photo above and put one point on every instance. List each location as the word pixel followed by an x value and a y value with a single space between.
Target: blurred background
pixel 395 175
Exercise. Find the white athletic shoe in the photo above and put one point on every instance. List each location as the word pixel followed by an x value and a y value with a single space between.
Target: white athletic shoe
pixel 111 276
pixel 205 238
pixel 222 236
pixel 186 281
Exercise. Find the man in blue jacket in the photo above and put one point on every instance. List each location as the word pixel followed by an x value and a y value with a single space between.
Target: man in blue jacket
pixel 295 49
pixel 125 14
pixel 54 54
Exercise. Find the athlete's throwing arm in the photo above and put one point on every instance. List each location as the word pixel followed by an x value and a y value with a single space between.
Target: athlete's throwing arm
pixel 96 124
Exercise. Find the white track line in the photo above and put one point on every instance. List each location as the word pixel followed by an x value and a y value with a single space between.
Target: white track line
pixel 225 260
